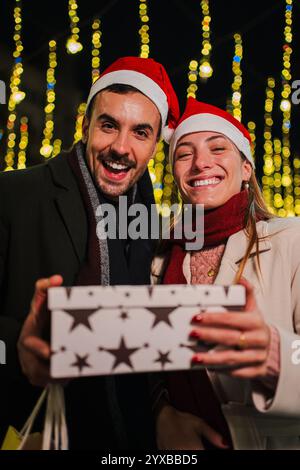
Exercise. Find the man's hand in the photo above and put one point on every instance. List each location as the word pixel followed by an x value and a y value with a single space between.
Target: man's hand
pixel 176 430
pixel 245 334
pixel 34 352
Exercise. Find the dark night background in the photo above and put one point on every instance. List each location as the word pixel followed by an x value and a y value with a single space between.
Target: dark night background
pixel 175 39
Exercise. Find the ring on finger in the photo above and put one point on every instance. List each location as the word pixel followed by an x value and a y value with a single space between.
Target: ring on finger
pixel 242 341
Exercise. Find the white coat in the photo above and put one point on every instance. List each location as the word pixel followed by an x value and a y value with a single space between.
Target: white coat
pixel 254 421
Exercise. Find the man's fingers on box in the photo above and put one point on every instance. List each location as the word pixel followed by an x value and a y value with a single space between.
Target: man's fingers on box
pixel 37 347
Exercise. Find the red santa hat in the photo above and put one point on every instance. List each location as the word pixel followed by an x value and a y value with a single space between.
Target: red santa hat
pixel 200 116
pixel 150 78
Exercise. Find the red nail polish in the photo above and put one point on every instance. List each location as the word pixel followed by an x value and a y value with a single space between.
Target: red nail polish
pixel 197 318
pixel 196 359
pixel 194 334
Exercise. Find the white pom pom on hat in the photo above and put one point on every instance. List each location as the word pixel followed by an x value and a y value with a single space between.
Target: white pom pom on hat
pixel 167 133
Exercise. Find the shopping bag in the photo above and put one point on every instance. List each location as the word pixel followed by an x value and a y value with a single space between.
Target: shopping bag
pixel 54 437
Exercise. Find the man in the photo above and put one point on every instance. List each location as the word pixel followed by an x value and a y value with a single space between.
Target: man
pixel 48 238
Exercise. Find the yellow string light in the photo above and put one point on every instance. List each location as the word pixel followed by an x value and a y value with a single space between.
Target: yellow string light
pixel 168 186
pixel 277 187
pixel 201 68
pixel 56 147
pixel 73 45
pixel 285 106
pixel 156 170
pixel 144 29
pixel 268 167
pixel 192 78
pixel 251 126
pixel 235 107
pixel 78 125
pixel 23 142
pixel 96 46
pixel 47 148
pixel 165 192
pixel 205 68
pixel 296 164
pixel 16 94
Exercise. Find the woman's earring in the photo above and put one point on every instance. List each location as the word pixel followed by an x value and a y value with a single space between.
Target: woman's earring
pixel 246 185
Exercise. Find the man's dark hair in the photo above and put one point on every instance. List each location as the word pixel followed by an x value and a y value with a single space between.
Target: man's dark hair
pixel 121 89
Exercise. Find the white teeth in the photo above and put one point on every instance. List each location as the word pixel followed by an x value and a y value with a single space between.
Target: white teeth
pixel 205 182
pixel 116 166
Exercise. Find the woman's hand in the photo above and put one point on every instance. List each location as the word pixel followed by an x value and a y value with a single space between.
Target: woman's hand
pixel 176 430
pixel 245 334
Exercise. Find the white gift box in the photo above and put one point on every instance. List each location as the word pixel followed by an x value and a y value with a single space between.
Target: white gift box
pixel 97 330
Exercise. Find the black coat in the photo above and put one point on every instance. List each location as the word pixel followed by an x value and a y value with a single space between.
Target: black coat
pixel 43 231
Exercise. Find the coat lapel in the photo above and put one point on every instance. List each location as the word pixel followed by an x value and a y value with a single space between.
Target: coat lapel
pixel 235 250
pixel 69 203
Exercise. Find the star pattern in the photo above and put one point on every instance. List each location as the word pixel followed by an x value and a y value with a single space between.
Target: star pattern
pixel 153 346
pixel 122 354
pixel 81 362
pixel 163 358
pixel 161 314
pixel 80 317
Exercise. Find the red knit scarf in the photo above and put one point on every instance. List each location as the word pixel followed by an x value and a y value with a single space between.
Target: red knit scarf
pixel 219 224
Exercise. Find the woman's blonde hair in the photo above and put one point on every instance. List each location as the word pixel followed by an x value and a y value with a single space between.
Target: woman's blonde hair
pixel 256 210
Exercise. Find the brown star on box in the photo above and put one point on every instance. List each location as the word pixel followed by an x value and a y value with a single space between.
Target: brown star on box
pixel 81 362
pixel 122 354
pixel 161 314
pixel 163 358
pixel 80 317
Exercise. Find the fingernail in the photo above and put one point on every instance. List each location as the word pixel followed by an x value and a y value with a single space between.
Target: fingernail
pixel 197 359
pixel 194 334
pixel 197 318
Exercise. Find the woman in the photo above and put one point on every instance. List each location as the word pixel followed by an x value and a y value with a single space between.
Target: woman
pixel 257 395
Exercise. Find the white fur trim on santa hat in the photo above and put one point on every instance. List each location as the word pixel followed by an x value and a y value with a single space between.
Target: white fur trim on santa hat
pixel 138 80
pixel 167 133
pixel 212 122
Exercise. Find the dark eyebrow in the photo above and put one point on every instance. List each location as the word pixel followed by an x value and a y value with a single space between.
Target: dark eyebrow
pixel 107 117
